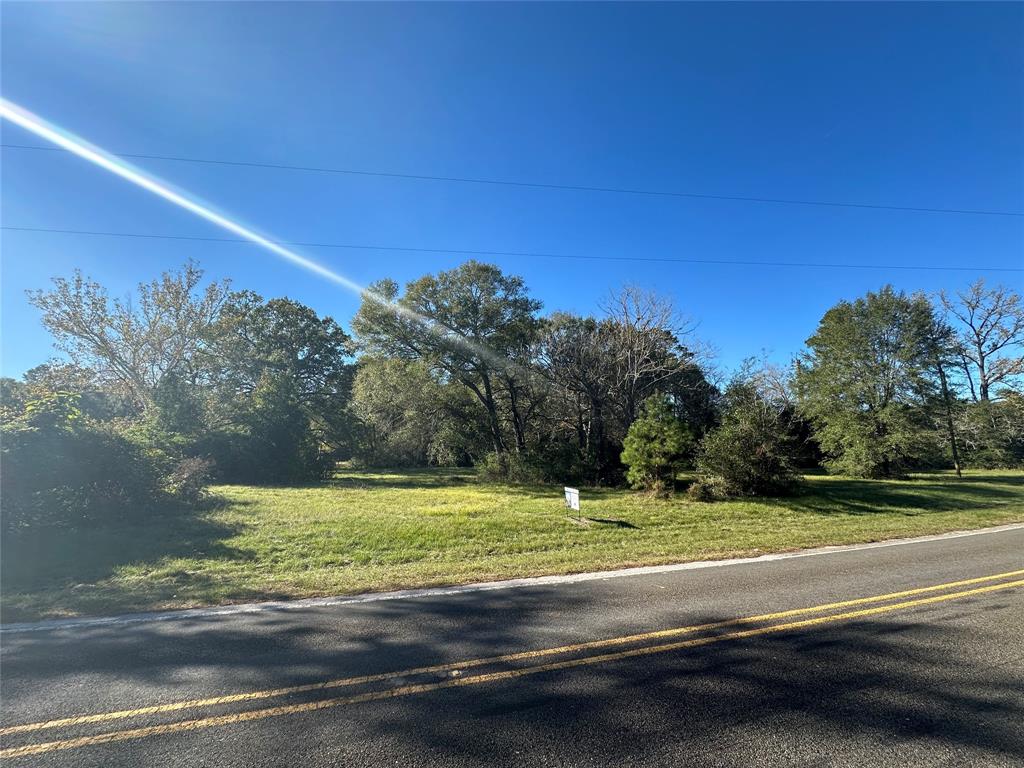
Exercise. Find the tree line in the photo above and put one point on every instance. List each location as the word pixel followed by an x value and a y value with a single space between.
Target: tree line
pixel 182 383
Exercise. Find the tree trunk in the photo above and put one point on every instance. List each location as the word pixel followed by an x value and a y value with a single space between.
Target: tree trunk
pixel 518 427
pixel 599 439
pixel 969 377
pixel 486 398
pixel 492 417
pixel 982 375
pixel 949 421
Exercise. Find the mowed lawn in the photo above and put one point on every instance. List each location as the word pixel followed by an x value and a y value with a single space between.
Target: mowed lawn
pixel 374 530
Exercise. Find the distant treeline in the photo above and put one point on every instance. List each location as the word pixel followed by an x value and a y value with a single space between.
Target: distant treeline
pixel 182 384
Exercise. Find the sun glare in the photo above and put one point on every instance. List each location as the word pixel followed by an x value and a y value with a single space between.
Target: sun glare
pixel 100 157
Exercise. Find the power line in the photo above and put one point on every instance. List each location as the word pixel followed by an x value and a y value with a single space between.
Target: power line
pixel 527 254
pixel 541 185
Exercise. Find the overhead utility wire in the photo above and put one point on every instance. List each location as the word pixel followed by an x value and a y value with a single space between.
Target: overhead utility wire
pixel 541 185
pixel 528 254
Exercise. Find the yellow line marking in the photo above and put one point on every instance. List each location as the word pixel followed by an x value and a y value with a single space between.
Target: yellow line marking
pixel 259 714
pixel 470 663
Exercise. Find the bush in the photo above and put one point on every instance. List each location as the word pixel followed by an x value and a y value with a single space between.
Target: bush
pixel 702 490
pixel 188 479
pixel 555 462
pixel 59 468
pixel 264 452
pixel 751 453
pixel 655 447
pixel 509 468
pixel 991 433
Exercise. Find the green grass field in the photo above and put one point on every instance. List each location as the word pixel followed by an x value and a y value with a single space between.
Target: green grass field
pixel 382 530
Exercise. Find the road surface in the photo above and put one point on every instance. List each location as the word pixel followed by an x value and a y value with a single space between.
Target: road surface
pixel 899 655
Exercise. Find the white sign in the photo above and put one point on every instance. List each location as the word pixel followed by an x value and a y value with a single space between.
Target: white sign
pixel 572 498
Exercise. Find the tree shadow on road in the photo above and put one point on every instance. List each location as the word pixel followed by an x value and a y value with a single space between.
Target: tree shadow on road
pixel 899 689
pixel 806 697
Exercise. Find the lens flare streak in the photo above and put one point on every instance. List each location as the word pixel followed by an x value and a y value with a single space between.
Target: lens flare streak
pixel 65 140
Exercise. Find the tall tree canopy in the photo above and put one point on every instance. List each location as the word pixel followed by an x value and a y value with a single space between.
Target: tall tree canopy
pixel 132 344
pixel 254 341
pixel 412 417
pixel 602 370
pixel 461 368
pixel 479 325
pixel 864 381
pixel 990 334
pixel 261 386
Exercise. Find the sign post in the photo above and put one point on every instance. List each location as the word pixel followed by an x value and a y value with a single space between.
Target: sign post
pixel 572 501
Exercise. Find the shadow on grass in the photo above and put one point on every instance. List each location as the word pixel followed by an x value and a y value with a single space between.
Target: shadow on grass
pixel 912 497
pixel 825 495
pixel 1005 478
pixel 613 523
pixel 426 477
pixel 64 570
pixel 838 693
pixel 69 559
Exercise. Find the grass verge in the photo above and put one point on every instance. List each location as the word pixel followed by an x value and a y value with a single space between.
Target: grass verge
pixel 373 530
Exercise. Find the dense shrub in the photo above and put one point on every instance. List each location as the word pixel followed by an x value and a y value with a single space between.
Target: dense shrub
pixel 564 463
pixel 991 433
pixel 264 456
pixel 655 447
pixel 751 453
pixel 509 468
pixel 703 489
pixel 59 468
pixel 270 440
pixel 556 462
pixel 188 478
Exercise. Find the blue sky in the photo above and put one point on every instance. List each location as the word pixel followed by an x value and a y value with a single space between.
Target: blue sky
pixel 906 105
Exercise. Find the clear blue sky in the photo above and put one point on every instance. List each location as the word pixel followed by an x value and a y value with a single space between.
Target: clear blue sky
pixel 915 105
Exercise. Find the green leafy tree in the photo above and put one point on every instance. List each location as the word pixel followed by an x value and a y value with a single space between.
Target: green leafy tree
pixel 179 407
pixel 61 468
pixel 992 431
pixel 284 447
pixel 14 395
pixel 96 398
pixel 252 337
pixel 753 451
pixel 132 344
pixel 279 381
pixel 259 385
pixel 865 382
pixel 656 447
pixel 477 328
pixel 413 417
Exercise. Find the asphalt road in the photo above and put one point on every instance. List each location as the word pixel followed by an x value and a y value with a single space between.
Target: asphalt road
pixel 930 674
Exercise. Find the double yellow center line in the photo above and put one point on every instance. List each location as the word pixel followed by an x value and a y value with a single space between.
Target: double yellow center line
pixel 453 671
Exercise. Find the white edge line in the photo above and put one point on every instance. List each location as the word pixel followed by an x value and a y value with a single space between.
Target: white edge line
pixel 187 614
